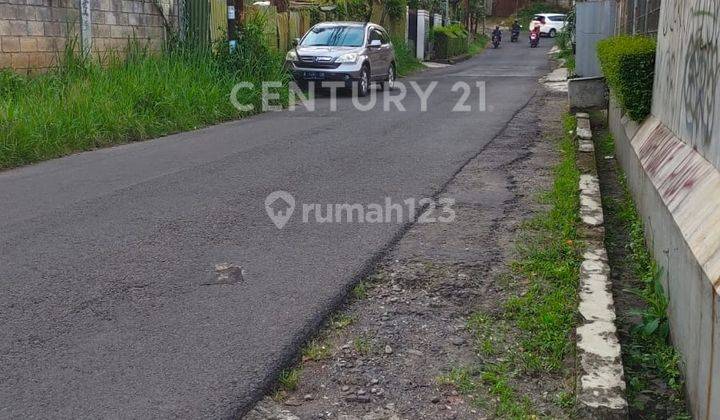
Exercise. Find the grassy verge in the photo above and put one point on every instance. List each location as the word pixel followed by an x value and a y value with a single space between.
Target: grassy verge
pixel 82 105
pixel 550 262
pixel 651 362
pixel 533 335
pixel 569 57
pixel 478 44
pixel 406 60
pixel 564 43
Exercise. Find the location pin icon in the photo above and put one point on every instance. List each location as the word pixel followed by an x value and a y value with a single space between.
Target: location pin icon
pixel 280 206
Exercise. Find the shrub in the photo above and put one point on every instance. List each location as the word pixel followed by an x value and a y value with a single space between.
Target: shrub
pixel 450 41
pixel 628 63
pixel 405 58
pixel 355 10
pixel 564 37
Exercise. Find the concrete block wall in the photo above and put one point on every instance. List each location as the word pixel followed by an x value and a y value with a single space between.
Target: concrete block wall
pixel 34 32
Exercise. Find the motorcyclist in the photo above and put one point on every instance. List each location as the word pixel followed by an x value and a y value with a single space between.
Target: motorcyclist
pixel 497 32
pixel 515 34
pixel 516 26
pixel 535 27
pixel 536 30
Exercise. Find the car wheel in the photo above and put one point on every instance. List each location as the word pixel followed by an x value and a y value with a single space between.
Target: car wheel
pixel 389 83
pixel 364 82
pixel 552 33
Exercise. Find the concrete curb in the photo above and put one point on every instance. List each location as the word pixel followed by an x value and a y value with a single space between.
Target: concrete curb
pixel 453 60
pixel 601 383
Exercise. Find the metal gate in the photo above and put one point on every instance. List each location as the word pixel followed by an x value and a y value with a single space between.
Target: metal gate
pixel 412 29
pixel 203 21
pixel 197 23
pixel 639 17
pixel 595 20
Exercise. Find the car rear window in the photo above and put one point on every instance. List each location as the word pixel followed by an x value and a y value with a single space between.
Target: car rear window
pixel 335 36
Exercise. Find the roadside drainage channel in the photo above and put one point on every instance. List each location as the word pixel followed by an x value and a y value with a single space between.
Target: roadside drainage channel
pixel 601 383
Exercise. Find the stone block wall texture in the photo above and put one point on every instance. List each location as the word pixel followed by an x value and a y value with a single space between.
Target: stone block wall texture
pixel 33 33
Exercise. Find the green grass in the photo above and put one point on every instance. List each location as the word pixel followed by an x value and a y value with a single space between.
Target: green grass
pixel 289 379
pixel 550 261
pixel 362 345
pixel 569 58
pixel 83 105
pixel 360 291
pixel 486 333
pixel 648 354
pixel 341 321
pixel 533 333
pixel 405 58
pixel 478 45
pixel 460 378
pixel 316 350
pixel 565 400
pixel 510 405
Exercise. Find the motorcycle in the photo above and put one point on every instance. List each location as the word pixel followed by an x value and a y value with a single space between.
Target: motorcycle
pixel 534 39
pixel 496 41
pixel 515 35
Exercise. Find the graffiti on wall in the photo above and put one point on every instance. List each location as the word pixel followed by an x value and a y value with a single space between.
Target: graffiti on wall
pixel 687 94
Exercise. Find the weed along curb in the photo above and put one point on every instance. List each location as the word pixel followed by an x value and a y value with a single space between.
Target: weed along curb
pixel 601 383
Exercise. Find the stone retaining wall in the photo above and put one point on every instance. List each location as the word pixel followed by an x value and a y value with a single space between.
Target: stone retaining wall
pixel 34 32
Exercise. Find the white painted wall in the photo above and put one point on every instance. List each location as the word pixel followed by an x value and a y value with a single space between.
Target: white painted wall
pixel 423 26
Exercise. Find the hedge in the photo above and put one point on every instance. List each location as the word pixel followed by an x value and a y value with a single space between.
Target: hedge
pixel 628 63
pixel 450 41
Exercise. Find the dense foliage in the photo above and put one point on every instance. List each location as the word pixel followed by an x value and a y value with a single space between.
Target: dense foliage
pixel 628 63
pixel 405 60
pixel 450 41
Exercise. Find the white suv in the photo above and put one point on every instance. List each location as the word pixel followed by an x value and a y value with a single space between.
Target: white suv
pixel 550 23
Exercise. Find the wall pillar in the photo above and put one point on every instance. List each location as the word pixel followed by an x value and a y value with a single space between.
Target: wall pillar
pixel 85 27
pixel 423 21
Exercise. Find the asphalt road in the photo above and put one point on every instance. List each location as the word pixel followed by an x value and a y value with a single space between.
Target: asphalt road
pixel 110 302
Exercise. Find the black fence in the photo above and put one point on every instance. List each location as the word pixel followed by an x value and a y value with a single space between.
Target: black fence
pixel 639 17
pixel 412 29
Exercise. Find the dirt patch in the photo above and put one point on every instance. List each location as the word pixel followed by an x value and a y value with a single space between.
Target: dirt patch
pixel 402 347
